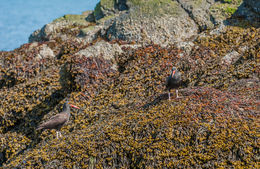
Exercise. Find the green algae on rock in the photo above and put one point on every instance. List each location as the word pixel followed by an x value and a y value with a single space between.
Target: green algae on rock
pixel 77 19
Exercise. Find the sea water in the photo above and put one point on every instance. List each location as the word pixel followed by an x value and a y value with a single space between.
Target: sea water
pixel 19 18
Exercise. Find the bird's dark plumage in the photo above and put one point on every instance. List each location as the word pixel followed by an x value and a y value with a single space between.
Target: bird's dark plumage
pixel 173 81
pixel 57 121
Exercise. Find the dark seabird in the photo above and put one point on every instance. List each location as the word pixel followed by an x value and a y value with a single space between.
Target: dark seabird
pixel 57 121
pixel 173 81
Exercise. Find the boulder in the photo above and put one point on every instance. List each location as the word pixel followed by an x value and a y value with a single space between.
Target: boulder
pixel 101 49
pixel 64 27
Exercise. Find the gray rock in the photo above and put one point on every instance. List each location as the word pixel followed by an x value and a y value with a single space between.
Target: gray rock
pixel 109 7
pixel 53 29
pixel 90 33
pixel 186 46
pixel 161 22
pixel 230 58
pixel 101 49
pixel 158 29
pixel 45 52
pixel 199 12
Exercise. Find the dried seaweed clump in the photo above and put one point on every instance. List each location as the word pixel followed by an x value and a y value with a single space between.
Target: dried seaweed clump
pixel 220 60
pixel 32 90
pixel 91 72
pixel 22 64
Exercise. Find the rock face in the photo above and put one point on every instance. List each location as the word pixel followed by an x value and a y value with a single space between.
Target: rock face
pixel 58 28
pixel 112 63
pixel 145 23
pixel 101 49
pixel 141 21
pixel 255 5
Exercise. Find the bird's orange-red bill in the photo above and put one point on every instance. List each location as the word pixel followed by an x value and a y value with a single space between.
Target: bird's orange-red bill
pixel 173 72
pixel 74 106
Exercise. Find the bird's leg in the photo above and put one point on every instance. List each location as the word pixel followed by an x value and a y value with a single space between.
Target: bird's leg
pixel 169 95
pixel 57 134
pixel 177 96
pixel 60 134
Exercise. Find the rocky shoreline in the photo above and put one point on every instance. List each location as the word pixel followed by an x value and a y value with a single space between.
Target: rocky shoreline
pixel 113 62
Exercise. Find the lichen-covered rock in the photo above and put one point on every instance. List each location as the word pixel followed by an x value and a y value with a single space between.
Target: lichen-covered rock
pixel 108 7
pixel 150 30
pixel 145 22
pixel 60 27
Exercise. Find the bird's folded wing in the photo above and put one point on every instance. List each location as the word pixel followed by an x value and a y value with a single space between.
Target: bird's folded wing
pixel 56 116
pixel 54 122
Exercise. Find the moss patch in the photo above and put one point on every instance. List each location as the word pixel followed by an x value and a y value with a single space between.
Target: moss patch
pixel 230 10
pixel 98 12
pixel 79 19
pixel 108 4
pixel 225 9
pixel 155 7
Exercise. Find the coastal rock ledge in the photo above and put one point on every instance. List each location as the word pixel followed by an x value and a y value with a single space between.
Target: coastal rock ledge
pixel 112 62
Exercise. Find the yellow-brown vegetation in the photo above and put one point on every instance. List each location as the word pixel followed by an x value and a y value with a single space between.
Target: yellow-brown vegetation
pixel 126 120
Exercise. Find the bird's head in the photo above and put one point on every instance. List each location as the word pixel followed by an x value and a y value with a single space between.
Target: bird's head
pixel 173 71
pixel 66 105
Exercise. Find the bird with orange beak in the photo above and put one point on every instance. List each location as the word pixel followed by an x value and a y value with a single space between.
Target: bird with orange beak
pixel 173 81
pixel 57 121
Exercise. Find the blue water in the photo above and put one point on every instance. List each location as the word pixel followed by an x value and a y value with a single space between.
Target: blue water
pixel 19 18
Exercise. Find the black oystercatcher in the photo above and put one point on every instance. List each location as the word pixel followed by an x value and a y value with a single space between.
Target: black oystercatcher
pixel 173 81
pixel 57 121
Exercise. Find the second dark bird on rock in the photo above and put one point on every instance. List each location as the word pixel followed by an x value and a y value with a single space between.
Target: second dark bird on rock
pixel 173 81
pixel 57 121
